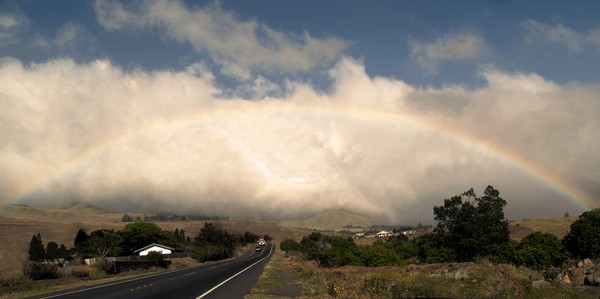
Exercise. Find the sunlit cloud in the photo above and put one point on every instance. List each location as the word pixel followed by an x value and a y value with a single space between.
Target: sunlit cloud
pixel 240 47
pixel 168 140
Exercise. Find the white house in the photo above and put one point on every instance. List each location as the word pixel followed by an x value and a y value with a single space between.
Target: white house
pixel 383 234
pixel 154 247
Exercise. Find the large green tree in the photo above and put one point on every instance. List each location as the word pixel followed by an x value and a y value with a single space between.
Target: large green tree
pixel 105 243
pixel 583 239
pixel 139 234
pixel 472 226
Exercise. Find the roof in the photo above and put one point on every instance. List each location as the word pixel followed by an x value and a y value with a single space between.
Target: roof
pixel 152 245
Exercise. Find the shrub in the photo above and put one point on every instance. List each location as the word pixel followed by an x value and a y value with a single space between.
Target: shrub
pixel 290 245
pixel 80 273
pixel 539 251
pixel 40 270
pixel 154 256
pixel 106 266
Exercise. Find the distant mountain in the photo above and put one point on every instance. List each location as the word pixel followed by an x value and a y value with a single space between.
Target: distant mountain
pixel 337 219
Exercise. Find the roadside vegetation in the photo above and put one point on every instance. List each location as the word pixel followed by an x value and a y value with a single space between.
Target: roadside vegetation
pixel 473 233
pixel 51 266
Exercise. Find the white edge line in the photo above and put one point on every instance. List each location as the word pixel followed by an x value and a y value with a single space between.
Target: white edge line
pixel 119 282
pixel 230 278
pixel 127 280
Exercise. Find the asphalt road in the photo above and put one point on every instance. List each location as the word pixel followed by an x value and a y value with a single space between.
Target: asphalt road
pixel 224 279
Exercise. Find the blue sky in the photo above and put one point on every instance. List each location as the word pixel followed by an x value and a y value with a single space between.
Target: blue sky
pixel 552 38
pixel 384 108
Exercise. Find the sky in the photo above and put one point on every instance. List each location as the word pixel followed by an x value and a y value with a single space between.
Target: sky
pixel 281 109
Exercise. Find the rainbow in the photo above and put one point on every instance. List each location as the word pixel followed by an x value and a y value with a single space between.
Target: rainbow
pixel 490 148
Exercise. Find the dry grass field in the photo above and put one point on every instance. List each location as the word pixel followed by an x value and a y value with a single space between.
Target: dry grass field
pixel 556 226
pixel 19 223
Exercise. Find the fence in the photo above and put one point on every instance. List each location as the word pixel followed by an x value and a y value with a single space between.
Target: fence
pixel 175 255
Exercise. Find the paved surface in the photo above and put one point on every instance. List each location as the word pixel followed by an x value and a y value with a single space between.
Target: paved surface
pixel 225 279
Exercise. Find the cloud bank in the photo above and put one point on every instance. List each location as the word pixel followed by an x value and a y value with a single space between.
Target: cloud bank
pixel 164 140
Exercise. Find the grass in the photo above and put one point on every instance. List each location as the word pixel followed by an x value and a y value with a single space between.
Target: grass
pixel 556 226
pixel 276 280
pixel 467 280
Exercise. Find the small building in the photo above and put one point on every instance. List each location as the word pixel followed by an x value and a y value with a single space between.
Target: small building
pixel 154 247
pixel 383 233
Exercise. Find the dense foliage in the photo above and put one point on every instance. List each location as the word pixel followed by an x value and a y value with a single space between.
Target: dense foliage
pixel 469 228
pixel 335 251
pixel 583 239
pixel 36 249
pixel 539 251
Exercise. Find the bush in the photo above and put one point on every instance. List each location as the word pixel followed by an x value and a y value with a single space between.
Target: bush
pixel 154 256
pixel 290 245
pixel 106 266
pixel 539 251
pixel 80 273
pixel 40 270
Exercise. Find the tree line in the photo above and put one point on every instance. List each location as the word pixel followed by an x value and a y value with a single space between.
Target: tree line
pixel 164 216
pixel 211 243
pixel 469 228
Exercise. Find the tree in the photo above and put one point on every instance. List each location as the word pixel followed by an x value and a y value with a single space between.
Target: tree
pixel 583 239
pixel 80 243
pixel 52 251
pixel 105 242
pixel 214 243
pixel 539 251
pixel 469 230
pixel 126 218
pixel 139 234
pixel 36 249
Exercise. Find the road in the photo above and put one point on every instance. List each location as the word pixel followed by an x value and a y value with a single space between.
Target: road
pixel 224 279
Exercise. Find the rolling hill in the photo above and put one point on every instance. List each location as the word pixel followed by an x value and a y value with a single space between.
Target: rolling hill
pixel 331 220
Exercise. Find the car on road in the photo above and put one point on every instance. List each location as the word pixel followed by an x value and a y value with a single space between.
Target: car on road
pixel 257 248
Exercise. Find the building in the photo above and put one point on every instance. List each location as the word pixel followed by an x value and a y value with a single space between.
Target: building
pixel 154 247
pixel 383 233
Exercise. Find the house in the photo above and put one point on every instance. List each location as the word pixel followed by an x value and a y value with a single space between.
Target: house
pixel 154 247
pixel 383 233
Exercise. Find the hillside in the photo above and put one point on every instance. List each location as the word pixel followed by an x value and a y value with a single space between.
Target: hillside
pixel 556 226
pixel 331 220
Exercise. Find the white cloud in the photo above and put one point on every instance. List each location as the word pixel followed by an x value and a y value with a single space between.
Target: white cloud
pixel 454 46
pixel 10 25
pixel 240 47
pixel 378 146
pixel 535 32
